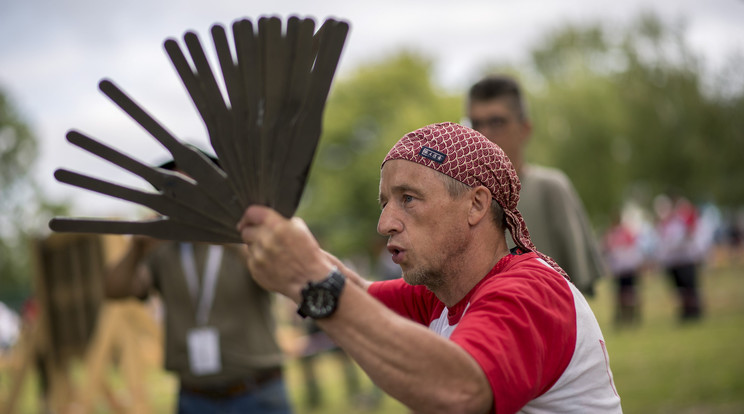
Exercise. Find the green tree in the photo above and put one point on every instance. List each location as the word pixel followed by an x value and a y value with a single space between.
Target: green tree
pixel 367 112
pixel 23 208
pixel 729 123
pixel 625 108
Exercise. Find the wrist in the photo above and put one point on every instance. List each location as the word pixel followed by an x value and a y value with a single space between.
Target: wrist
pixel 312 273
pixel 320 299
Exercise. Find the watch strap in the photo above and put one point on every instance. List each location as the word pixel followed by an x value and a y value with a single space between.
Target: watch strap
pixel 333 284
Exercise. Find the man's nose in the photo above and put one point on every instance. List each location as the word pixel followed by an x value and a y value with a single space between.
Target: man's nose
pixel 388 223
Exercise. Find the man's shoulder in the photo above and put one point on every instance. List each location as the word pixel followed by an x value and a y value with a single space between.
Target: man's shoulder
pixel 526 271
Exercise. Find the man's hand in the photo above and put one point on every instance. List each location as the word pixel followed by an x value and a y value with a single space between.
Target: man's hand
pixel 282 254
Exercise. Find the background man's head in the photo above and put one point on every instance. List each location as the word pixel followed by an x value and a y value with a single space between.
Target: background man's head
pixel 497 110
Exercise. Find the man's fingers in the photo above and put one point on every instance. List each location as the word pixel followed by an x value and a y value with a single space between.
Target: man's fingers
pixel 254 218
pixel 254 215
pixel 300 223
pixel 249 234
pixel 257 227
pixel 248 219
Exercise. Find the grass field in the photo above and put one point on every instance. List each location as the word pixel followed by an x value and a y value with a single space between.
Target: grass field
pixel 665 367
pixel 660 366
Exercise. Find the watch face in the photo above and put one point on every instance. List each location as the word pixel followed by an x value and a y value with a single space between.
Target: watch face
pixel 320 302
pixel 319 299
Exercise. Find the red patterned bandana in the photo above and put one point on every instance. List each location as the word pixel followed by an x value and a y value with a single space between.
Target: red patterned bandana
pixel 469 157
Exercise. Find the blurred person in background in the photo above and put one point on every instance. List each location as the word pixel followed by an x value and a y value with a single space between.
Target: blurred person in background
pixel 734 235
pixel 678 251
pixel 220 337
pixel 548 201
pixel 624 257
pixel 10 328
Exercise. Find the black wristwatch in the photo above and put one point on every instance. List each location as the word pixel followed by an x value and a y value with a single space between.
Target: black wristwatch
pixel 320 299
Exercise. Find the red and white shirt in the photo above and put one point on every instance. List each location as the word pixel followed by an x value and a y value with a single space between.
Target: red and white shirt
pixel 530 330
pixel 622 250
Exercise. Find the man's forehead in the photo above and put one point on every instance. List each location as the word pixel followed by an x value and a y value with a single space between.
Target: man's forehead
pixel 401 173
pixel 401 168
pixel 502 104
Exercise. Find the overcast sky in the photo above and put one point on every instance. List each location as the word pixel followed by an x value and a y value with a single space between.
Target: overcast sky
pixel 53 54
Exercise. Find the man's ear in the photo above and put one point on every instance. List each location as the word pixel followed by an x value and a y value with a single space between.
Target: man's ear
pixel 480 206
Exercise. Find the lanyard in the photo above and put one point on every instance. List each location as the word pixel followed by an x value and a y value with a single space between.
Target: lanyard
pixel 211 268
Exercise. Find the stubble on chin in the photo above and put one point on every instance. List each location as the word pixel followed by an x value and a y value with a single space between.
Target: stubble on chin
pixel 424 277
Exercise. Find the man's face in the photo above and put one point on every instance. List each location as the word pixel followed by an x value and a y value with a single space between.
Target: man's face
pixel 500 123
pixel 427 229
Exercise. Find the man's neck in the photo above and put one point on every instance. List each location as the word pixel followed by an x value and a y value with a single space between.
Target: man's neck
pixel 469 273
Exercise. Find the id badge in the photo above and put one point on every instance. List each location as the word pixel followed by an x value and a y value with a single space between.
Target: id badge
pixel 204 350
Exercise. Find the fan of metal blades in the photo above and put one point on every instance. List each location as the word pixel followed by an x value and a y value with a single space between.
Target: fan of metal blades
pixel 265 136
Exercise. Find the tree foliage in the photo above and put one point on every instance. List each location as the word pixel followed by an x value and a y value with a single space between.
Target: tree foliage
pixel 23 208
pixel 629 109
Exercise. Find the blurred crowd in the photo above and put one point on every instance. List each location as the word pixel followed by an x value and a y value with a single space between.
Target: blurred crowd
pixel 676 238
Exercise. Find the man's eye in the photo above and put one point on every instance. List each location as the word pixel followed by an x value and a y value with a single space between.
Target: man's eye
pixel 407 198
pixel 494 122
pixel 497 122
